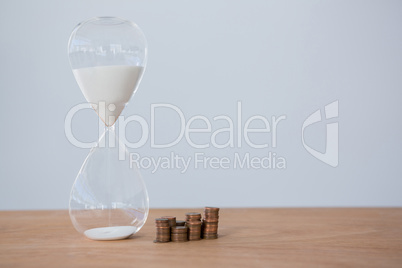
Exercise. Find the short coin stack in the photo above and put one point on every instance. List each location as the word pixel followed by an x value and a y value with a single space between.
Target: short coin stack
pixel 210 223
pixel 193 221
pixel 162 230
pixel 179 234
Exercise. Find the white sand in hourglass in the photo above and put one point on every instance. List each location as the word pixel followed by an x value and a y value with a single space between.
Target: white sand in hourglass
pixel 108 84
pixel 109 224
pixel 110 233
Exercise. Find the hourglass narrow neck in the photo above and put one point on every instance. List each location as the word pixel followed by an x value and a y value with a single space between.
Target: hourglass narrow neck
pixel 108 139
pixel 110 128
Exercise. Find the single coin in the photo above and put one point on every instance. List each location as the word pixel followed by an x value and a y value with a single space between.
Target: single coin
pixel 193 214
pixel 161 220
pixel 179 229
pixel 207 216
pixel 162 224
pixel 210 236
pixel 211 209
pixel 193 223
pixel 207 220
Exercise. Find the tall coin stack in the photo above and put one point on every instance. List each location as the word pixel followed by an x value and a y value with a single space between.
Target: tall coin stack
pixel 193 221
pixel 210 223
pixel 179 234
pixel 162 230
pixel 172 221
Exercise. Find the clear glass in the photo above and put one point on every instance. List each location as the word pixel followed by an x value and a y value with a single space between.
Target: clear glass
pixel 109 199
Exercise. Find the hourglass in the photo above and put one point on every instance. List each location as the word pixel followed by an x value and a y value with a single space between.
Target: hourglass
pixel 109 199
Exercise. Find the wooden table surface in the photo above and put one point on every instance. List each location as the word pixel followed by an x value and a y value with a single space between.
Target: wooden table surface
pixel 286 237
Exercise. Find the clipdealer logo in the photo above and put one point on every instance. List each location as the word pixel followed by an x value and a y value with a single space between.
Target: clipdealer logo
pixel 330 156
pixel 238 132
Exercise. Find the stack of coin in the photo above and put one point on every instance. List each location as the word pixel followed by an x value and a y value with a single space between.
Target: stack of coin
pixel 180 223
pixel 210 223
pixel 162 230
pixel 193 221
pixel 179 234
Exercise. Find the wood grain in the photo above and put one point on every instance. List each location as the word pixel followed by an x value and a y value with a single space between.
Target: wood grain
pixel 302 237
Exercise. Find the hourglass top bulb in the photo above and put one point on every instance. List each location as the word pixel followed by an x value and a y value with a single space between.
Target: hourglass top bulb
pixel 108 57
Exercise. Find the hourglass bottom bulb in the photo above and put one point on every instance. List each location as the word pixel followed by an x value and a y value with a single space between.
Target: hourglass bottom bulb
pixel 109 199
pixel 108 224
pixel 110 233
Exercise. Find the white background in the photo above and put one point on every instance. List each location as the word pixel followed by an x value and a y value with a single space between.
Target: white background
pixel 276 57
